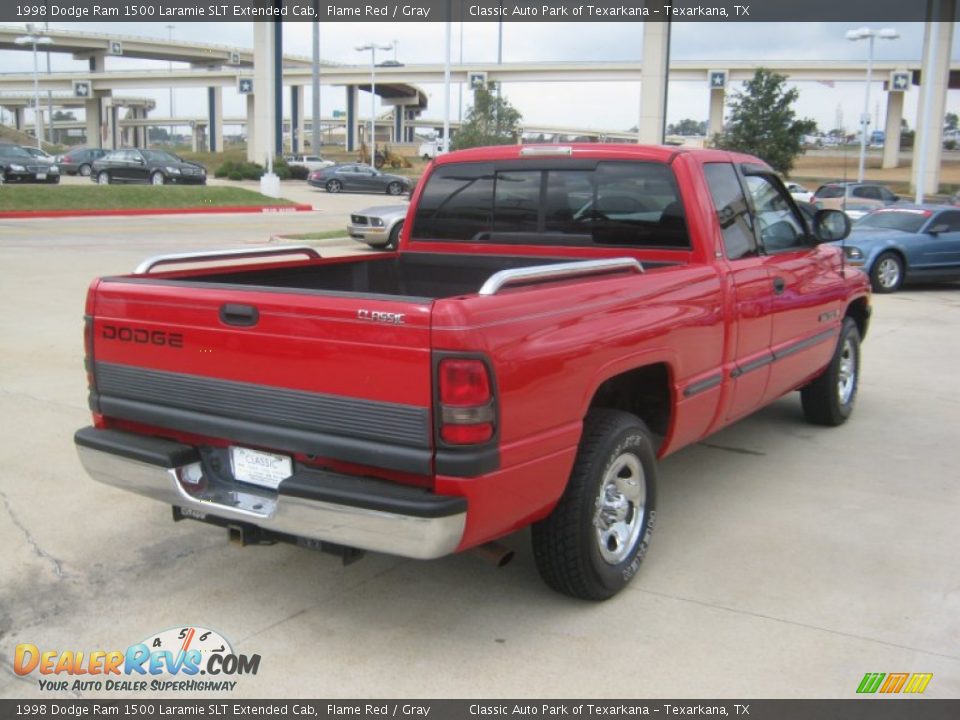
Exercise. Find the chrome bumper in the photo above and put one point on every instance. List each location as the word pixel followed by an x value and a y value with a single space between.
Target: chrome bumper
pixel 432 530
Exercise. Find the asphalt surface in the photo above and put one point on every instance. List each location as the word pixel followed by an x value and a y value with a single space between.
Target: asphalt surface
pixel 788 559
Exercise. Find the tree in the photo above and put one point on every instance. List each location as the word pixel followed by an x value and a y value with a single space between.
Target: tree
pixel 491 121
pixel 60 115
pixel 763 122
pixel 950 121
pixel 688 126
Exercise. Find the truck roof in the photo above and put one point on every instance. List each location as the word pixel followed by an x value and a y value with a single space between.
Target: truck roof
pixel 599 151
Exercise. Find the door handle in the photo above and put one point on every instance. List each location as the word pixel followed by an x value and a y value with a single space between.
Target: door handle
pixel 240 315
pixel 778 285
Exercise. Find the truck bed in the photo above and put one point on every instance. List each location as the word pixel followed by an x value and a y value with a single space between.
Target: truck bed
pixel 417 277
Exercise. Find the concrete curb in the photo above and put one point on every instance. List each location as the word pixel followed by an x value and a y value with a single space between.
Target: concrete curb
pixel 120 212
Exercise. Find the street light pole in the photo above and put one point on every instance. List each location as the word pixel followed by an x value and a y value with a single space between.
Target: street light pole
pixel 33 40
pixel 870 35
pixel 373 47
pixel 170 29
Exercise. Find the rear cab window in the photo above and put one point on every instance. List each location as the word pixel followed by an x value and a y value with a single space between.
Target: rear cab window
pixel 580 203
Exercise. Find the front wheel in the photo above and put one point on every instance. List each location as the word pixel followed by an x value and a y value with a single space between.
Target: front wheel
pixel 394 240
pixel 334 186
pixel 886 276
pixel 829 399
pixel 157 178
pixel 103 178
pixel 593 542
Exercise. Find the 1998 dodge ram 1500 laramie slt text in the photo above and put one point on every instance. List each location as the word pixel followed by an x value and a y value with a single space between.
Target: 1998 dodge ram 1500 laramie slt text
pixel 556 318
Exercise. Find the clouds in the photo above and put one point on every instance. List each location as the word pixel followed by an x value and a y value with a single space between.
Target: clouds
pixel 603 105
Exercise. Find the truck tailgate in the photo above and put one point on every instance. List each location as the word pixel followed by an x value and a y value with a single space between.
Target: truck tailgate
pixel 338 375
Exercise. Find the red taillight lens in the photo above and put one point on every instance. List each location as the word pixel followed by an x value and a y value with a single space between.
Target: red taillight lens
pixel 467 412
pixel 463 383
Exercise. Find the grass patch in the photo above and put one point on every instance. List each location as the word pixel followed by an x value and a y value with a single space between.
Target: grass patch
pixel 322 235
pixel 96 197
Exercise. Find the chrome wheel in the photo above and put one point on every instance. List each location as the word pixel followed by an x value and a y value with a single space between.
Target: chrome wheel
pixel 157 178
pixel 103 178
pixel 847 372
pixel 620 508
pixel 888 272
pixel 84 170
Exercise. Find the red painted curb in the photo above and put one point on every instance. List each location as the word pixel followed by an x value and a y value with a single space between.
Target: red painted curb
pixel 299 207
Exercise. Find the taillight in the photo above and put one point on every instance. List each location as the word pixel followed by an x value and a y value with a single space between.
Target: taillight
pixel 467 412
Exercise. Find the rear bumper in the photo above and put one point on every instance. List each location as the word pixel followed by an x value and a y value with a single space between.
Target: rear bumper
pixel 353 511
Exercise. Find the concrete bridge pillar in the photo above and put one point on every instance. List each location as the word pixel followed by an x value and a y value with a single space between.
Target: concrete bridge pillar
pixel 142 138
pixel 93 110
pixel 934 81
pixel 399 113
pixel 653 78
pixel 297 119
pixel 891 133
pixel 717 102
pixel 265 138
pixel 18 118
pixel 353 120
pixel 215 118
pixel 112 129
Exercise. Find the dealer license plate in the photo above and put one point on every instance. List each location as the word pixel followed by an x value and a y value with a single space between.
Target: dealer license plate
pixel 41 176
pixel 260 468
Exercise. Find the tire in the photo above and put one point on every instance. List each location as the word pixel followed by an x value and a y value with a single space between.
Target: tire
pixel 103 178
pixel 886 275
pixel 334 186
pixel 3 178
pixel 829 400
pixel 394 188
pixel 54 181
pixel 593 542
pixel 158 178
pixel 84 170
pixel 394 240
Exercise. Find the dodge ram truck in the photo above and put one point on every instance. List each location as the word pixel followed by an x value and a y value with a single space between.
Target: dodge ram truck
pixel 554 321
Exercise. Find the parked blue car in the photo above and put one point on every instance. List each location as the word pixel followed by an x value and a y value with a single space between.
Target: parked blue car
pixel 906 243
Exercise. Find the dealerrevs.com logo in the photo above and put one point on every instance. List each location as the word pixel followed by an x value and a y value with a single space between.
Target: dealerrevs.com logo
pixel 184 659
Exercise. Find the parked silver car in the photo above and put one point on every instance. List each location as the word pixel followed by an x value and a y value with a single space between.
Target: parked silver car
pixel 379 227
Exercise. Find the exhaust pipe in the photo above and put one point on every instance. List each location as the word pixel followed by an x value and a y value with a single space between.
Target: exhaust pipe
pixel 493 553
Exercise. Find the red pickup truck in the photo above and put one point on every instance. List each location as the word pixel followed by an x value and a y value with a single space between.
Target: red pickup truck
pixel 556 318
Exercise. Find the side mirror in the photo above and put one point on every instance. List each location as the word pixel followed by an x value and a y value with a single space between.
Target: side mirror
pixel 830 225
pixel 938 228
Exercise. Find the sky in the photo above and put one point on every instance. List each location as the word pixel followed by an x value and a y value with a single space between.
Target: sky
pixel 606 106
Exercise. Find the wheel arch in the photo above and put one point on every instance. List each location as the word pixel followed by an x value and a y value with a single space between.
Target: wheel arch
pixel 859 310
pixel 643 390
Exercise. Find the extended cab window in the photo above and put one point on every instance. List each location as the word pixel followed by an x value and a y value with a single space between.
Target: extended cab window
pixel 633 204
pixel 732 211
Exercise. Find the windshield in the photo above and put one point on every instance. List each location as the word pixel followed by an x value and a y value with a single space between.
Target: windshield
pixel 14 152
pixel 904 220
pixel 159 156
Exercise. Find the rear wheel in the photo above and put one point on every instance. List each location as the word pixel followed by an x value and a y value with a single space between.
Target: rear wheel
pixel 334 186
pixel 593 542
pixel 157 178
pixel 829 399
pixel 85 170
pixel 886 275
pixel 103 178
pixel 394 188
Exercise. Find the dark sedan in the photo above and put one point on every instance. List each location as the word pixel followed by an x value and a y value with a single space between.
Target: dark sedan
pixel 17 165
pixel 363 178
pixel 79 161
pixel 156 167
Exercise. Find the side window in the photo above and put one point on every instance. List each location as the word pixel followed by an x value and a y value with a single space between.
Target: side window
pixel 867 192
pixel 951 219
pixel 456 204
pixel 779 228
pixel 887 196
pixel 732 210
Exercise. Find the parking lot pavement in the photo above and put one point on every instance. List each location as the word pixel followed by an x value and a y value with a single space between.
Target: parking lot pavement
pixel 788 560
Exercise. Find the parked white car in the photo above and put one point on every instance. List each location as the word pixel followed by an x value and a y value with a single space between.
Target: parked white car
pixel 311 162
pixel 379 226
pixel 799 192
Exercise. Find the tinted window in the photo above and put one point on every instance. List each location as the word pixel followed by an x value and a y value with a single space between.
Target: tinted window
pixel 732 211
pixel 905 220
pixel 951 219
pixel 158 156
pixel 12 151
pixel 870 193
pixel 635 204
pixel 457 203
pixel 830 191
pixel 516 201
